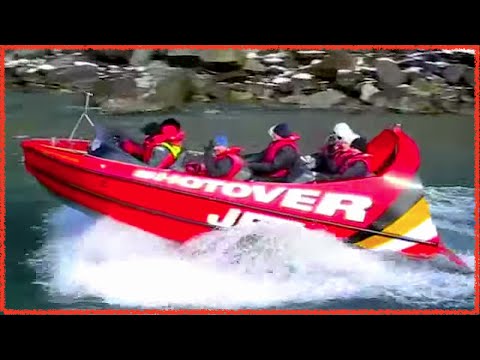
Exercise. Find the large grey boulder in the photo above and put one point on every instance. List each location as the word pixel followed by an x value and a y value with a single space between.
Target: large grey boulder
pixel 82 77
pixel 334 61
pixel 141 57
pixel 184 58
pixel 321 100
pixel 254 66
pixel 469 76
pixel 223 60
pixel 454 73
pixel 118 57
pixel 389 73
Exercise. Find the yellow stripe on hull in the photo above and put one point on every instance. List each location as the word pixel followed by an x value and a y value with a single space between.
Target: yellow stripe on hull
pixel 414 217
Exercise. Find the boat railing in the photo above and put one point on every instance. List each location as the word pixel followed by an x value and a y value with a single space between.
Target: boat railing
pixel 84 115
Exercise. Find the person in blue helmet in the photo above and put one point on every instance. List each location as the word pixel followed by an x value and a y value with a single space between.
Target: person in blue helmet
pixel 223 161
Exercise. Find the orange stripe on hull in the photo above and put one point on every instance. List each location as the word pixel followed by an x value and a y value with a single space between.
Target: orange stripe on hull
pixel 410 220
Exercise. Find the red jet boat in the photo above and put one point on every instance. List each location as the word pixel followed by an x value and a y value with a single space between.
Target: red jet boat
pixel 387 211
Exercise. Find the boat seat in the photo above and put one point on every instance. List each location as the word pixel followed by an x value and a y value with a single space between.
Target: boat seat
pixel 383 149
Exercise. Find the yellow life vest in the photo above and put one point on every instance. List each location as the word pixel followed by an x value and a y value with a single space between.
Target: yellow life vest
pixel 174 149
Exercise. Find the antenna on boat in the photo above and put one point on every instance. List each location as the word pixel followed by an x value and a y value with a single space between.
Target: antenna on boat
pixel 84 115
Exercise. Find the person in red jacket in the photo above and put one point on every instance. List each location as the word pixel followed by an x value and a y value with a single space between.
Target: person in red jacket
pixel 344 132
pixel 281 160
pixel 162 144
pixel 345 161
pixel 222 161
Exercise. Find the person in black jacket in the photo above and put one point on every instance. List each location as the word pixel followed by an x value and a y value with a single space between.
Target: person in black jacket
pixel 281 160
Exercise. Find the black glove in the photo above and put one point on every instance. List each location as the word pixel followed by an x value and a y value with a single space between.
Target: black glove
pixel 209 147
pixel 249 158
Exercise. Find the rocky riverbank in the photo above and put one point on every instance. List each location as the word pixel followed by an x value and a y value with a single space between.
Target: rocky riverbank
pixel 146 80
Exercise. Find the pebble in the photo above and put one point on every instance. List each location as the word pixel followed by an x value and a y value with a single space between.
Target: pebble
pixel 212 111
pixel 311 52
pixel 413 69
pixel 273 60
pixel 303 76
pixel 84 63
pixel 280 54
pixel 279 68
pixel 281 80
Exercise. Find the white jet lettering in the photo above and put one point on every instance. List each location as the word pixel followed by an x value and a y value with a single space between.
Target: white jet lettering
pixel 355 208
pixel 260 193
pixel 191 183
pixel 300 199
pixel 143 174
pixel 229 219
pixel 236 190
pixel 212 185
pixel 164 176
pixel 236 216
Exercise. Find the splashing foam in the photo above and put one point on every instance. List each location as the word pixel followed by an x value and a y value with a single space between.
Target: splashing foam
pixel 256 267
pixel 454 208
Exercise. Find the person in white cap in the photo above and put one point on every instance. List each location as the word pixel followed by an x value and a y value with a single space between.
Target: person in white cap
pixel 345 133
pixel 323 163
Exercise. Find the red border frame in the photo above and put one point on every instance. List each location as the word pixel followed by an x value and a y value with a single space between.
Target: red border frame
pixel 3 308
pixel 2 180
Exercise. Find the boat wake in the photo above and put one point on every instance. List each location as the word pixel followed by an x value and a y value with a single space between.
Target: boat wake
pixel 252 267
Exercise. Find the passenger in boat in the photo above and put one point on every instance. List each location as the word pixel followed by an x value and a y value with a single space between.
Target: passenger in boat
pixel 342 161
pixel 318 161
pixel 344 132
pixel 223 161
pixel 153 133
pixel 162 144
pixel 281 160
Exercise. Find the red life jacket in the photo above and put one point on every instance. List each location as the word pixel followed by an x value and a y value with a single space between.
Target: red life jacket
pixel 196 168
pixel 345 156
pixel 237 162
pixel 200 169
pixel 275 146
pixel 169 135
pixel 132 148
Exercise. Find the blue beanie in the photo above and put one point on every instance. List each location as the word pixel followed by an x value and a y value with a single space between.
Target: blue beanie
pixel 221 140
pixel 282 130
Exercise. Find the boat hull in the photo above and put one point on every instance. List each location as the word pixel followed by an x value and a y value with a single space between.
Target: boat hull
pixel 180 207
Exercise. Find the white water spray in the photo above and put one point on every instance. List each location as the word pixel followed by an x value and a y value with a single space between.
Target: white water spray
pixel 250 267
